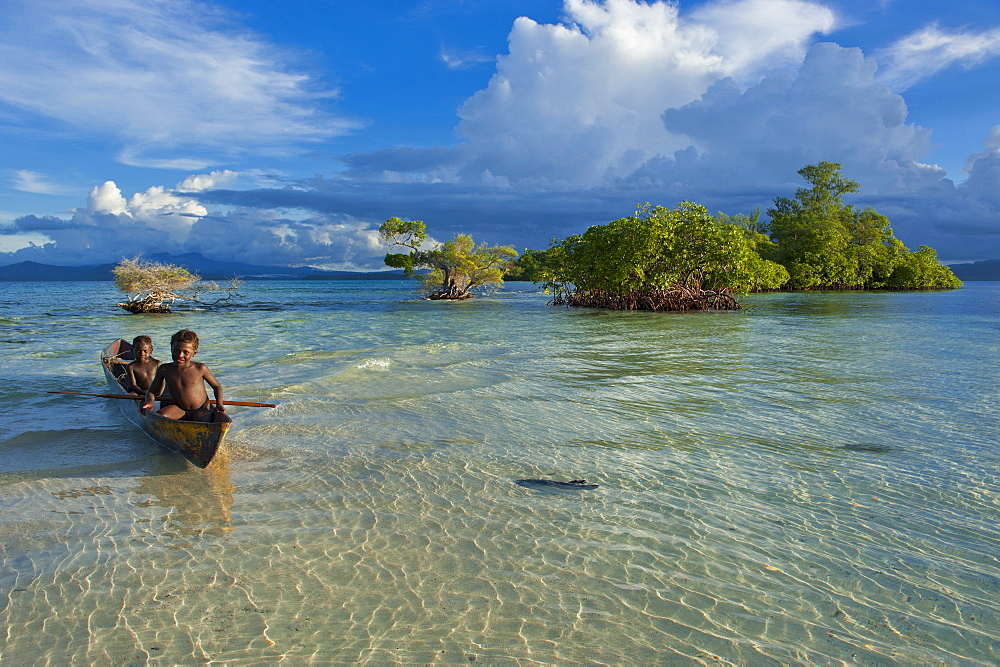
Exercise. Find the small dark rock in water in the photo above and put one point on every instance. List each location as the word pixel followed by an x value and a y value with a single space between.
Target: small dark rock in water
pixel 551 484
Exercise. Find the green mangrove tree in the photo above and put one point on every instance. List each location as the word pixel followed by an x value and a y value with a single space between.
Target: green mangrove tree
pixel 454 269
pixel 826 244
pixel 659 259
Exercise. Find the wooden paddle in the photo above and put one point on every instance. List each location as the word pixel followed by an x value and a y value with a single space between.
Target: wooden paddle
pixel 165 399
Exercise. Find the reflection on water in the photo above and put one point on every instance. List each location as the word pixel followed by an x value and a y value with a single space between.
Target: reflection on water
pixel 197 501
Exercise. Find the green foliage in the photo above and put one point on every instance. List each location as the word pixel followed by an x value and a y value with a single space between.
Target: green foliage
pixel 811 232
pixel 529 266
pixel 826 244
pixel 549 267
pixel 403 233
pixel 453 269
pixel 401 261
pixel 662 258
pixel 751 223
pixel 922 270
pixel 658 249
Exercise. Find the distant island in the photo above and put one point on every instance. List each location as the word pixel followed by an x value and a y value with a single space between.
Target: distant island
pixel 209 269
pixel 988 269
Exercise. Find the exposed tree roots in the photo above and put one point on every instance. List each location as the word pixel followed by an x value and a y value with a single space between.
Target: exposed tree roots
pixel 453 295
pixel 160 300
pixel 674 298
pixel 154 302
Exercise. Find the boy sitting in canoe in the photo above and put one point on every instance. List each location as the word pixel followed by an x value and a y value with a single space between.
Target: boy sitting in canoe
pixel 139 374
pixel 186 381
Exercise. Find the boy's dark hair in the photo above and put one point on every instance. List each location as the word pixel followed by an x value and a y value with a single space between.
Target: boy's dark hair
pixel 184 336
pixel 138 340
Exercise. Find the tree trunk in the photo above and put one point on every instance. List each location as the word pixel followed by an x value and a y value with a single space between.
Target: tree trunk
pixel 450 289
pixel 450 294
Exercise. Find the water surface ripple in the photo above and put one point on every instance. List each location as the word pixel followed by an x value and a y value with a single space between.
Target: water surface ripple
pixel 811 481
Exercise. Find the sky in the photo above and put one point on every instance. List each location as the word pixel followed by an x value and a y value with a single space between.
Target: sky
pixel 285 133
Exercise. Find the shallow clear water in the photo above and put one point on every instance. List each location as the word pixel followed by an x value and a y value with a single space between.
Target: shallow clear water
pixel 812 480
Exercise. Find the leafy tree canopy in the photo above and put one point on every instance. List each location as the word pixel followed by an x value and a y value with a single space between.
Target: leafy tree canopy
pixel 454 269
pixel 826 244
pixel 660 259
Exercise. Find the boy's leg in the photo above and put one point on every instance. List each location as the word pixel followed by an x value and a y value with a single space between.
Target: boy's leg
pixel 199 415
pixel 172 411
pixel 219 417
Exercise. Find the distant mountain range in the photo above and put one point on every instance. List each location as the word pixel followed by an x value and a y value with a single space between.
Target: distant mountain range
pixel 209 269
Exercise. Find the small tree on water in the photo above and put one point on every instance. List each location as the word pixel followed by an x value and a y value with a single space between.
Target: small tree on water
pixel 152 287
pixel 457 268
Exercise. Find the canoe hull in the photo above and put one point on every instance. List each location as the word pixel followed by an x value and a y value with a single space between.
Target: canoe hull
pixel 196 441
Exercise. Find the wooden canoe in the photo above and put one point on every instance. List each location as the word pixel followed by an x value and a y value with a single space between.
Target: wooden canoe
pixel 197 441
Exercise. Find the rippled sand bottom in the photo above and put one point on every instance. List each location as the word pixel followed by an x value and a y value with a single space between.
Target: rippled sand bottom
pixel 440 557
pixel 814 482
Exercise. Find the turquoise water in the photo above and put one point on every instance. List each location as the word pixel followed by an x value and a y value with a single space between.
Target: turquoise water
pixel 812 480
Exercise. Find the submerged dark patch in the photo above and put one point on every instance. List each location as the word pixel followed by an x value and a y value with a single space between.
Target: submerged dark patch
pixel 552 485
pixel 882 449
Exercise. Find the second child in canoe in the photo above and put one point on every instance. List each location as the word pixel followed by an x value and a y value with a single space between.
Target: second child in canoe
pixel 185 379
pixel 139 374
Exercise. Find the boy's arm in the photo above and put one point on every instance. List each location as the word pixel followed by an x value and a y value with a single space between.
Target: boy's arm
pixel 133 386
pixel 216 387
pixel 155 388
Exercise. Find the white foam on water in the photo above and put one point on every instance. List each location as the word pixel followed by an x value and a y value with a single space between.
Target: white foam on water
pixel 374 365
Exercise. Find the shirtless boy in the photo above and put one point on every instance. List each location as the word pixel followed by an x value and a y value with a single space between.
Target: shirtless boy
pixel 186 380
pixel 139 374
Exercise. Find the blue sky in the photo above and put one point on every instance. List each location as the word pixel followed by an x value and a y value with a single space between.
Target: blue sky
pixel 287 132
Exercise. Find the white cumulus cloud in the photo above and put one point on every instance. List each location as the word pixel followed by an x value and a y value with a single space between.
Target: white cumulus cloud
pixel 984 176
pixel 752 35
pixel 579 102
pixel 210 181
pixel 174 221
pixel 833 108
pixel 107 198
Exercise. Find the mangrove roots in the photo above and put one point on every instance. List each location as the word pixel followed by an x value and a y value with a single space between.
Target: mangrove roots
pixel 673 298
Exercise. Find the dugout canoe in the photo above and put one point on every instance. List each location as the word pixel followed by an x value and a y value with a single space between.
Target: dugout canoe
pixel 196 441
